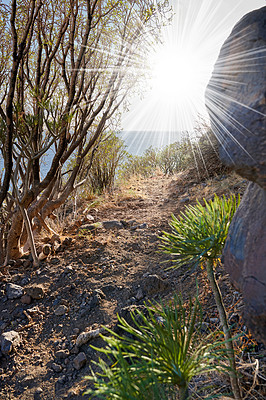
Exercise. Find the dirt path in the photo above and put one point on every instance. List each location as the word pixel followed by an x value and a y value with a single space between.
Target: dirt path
pixel 92 277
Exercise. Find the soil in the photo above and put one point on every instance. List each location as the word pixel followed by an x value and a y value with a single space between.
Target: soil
pixel 94 274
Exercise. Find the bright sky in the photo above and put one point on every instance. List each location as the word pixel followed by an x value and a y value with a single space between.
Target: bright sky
pixel 183 65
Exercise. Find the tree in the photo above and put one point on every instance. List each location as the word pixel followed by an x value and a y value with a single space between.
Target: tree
pixel 79 61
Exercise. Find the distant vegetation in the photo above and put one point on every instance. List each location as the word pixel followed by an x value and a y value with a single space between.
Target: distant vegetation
pixel 109 164
pixel 198 155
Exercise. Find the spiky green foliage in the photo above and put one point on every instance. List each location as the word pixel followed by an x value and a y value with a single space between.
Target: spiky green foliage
pixel 200 232
pixel 199 235
pixel 160 350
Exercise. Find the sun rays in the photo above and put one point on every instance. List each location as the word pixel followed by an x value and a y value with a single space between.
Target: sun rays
pixel 181 68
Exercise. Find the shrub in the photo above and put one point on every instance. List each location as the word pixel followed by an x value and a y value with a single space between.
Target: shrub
pixel 198 236
pixel 162 349
pixel 100 166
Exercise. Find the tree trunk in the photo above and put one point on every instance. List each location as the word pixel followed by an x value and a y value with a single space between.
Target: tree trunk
pixel 226 330
pixel 13 239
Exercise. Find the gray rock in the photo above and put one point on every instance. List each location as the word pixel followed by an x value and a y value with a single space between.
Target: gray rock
pixel 112 225
pixel 9 340
pixel 25 299
pixel 79 361
pixel 139 294
pixel 13 291
pixel 236 101
pixel 88 228
pixel 107 289
pixel 214 320
pixel 244 257
pixel 62 354
pixel 35 291
pixel 57 367
pixel 100 293
pixel 61 310
pixel 184 200
pixel 62 379
pixel 236 98
pixel 153 284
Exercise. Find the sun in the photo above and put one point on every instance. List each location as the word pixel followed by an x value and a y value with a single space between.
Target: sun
pixel 177 75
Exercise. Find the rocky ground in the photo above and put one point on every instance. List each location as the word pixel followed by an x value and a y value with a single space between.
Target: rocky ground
pixel 92 274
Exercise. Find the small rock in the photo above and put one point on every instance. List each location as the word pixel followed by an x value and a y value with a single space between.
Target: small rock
pixel 25 281
pixel 90 217
pixel 35 291
pixel 80 361
pixel 143 226
pixel 74 350
pixel 84 337
pixel 139 294
pixel 153 284
pixel 61 310
pixel 100 293
pixel 107 289
pixel 37 393
pixel 88 228
pixel 55 260
pixel 184 200
pixel 62 379
pixel 57 367
pixel 13 291
pixel 95 300
pixel 25 299
pixel 204 327
pixel 112 225
pixel 42 256
pixel 33 310
pixel 62 354
pixel 9 340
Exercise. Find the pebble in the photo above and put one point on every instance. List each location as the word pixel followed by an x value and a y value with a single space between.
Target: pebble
pixel 9 340
pixel 25 299
pixel 139 294
pixel 62 379
pixel 79 361
pixel 13 291
pixel 35 291
pixel 214 320
pixel 61 310
pixel 112 225
pixel 62 354
pixel 57 367
pixel 184 200
pixel 152 284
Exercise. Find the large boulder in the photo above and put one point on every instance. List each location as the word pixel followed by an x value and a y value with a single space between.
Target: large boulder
pixel 236 98
pixel 245 256
pixel 236 102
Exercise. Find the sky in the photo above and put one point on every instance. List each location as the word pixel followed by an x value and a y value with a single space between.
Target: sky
pixel 181 68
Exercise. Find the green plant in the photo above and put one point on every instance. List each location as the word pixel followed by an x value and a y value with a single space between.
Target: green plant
pixel 198 236
pixel 162 349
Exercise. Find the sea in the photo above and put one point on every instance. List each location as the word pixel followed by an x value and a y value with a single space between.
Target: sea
pixel 136 143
